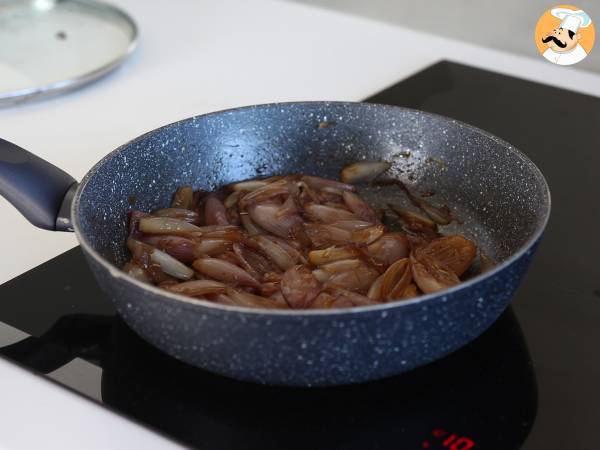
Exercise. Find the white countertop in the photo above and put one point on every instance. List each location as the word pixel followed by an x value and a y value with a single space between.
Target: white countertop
pixel 194 57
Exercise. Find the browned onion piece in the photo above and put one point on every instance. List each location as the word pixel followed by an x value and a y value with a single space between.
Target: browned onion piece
pixel 255 263
pixel 224 299
pixel 429 277
pixel 319 183
pixel 416 222
pixel 183 198
pixel 241 298
pixel 214 211
pixel 250 185
pixel 345 298
pixel 178 247
pixel 411 291
pixel 342 265
pixel 367 235
pixel 135 271
pixel 321 275
pixel 148 256
pixel 134 221
pixel 326 235
pixel 198 288
pixel 274 219
pixel 360 209
pixel 232 199
pixel 396 278
pixel 358 279
pixel 305 194
pixel 273 251
pixel 363 170
pixel 323 301
pixel 231 258
pixel 227 232
pixel 351 225
pixel 212 247
pixel 319 257
pixel 178 213
pixel 265 193
pixel 454 253
pixel 439 214
pixel 288 246
pixel 171 266
pixel 251 228
pixel 279 299
pixel 299 287
pixel 327 214
pixel 225 271
pixel 389 248
pixel 269 288
pixel 375 291
pixel 166 225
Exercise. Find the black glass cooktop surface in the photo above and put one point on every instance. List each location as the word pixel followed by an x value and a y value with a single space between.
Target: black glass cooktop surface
pixel 531 381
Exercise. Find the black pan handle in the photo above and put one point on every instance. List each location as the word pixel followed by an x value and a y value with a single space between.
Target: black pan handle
pixel 40 191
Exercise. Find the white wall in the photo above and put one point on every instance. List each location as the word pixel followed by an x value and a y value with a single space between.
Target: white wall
pixel 506 25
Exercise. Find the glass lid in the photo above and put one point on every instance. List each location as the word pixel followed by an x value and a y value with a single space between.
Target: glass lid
pixel 50 46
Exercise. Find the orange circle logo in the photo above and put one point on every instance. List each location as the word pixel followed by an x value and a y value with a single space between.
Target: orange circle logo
pixel 565 35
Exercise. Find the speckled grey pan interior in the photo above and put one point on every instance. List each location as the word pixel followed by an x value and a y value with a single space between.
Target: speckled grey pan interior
pixel 499 195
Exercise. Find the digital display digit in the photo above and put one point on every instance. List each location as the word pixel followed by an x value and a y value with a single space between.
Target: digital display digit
pixel 442 439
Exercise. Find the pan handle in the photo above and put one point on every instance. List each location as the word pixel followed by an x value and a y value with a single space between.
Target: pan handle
pixel 40 191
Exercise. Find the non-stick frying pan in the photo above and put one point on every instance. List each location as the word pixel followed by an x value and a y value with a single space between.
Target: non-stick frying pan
pixel 500 198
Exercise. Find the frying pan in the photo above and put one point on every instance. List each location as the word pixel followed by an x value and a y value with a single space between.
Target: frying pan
pixel 500 198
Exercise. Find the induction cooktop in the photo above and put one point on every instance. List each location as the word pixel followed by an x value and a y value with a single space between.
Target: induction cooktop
pixel 531 381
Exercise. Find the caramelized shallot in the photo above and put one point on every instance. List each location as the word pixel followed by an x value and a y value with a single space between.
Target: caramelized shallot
pixel 299 287
pixel 364 170
pixel 296 241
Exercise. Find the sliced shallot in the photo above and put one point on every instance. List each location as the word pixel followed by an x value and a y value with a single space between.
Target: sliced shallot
pixel 241 298
pixel 135 271
pixel 214 211
pixel 171 266
pixel 166 225
pixel 274 251
pixel 178 247
pixel 296 241
pixel 198 288
pixel 328 255
pixel 327 214
pixel 360 209
pixel 389 248
pixel 429 277
pixel 454 253
pixel 319 183
pixel 358 279
pixel 272 218
pixel 179 213
pixel 183 198
pixel 225 271
pixel 363 170
pixel 299 287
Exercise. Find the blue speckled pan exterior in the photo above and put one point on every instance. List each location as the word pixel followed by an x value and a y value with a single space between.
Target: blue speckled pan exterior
pixel 499 195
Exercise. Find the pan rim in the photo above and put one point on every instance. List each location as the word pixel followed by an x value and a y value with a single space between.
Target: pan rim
pixel 117 273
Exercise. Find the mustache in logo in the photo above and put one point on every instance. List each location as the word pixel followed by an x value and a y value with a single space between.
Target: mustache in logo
pixel 556 41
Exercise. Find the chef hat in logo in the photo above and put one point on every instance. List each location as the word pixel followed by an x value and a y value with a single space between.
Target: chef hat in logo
pixel 570 19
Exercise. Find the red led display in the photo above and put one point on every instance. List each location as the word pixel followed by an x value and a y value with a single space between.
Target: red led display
pixel 449 441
